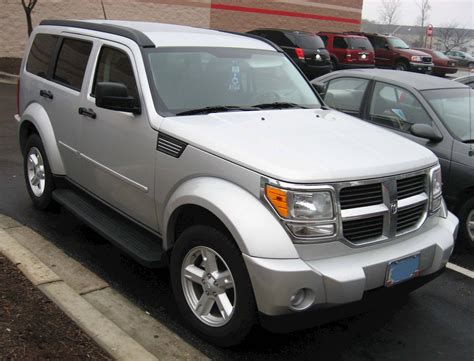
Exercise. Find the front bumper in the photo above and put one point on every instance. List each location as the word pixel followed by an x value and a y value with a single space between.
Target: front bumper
pixel 421 67
pixel 344 279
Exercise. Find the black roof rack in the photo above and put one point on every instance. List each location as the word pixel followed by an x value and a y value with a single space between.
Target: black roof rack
pixel 137 36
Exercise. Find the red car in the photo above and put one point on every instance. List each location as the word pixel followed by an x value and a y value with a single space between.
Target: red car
pixel 349 51
pixel 442 63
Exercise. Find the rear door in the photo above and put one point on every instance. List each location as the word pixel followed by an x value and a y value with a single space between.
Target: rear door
pixel 63 95
pixel 118 149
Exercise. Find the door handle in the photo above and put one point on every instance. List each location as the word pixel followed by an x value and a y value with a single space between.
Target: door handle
pixel 87 112
pixel 46 94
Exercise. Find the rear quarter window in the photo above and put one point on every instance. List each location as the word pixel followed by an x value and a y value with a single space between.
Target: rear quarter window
pixel 41 53
pixel 72 62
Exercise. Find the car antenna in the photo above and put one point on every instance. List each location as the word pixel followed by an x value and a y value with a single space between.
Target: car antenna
pixel 103 9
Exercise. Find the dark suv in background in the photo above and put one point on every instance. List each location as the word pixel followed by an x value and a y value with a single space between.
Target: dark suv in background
pixel 306 49
pixel 349 51
pixel 393 53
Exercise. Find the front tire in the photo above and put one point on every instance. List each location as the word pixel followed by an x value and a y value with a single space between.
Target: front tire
pixel 211 285
pixel 38 176
pixel 402 66
pixel 466 224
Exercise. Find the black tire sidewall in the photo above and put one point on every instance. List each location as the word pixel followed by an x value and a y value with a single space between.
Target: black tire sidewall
pixel 401 65
pixel 464 211
pixel 245 316
pixel 45 200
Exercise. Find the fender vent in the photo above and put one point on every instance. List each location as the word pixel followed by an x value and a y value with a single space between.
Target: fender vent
pixel 169 145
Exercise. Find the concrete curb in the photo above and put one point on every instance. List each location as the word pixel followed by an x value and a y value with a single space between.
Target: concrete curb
pixel 7 78
pixel 118 326
pixel 107 334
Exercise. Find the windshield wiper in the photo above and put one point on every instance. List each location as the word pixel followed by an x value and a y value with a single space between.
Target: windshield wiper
pixel 215 109
pixel 278 105
pixel 468 141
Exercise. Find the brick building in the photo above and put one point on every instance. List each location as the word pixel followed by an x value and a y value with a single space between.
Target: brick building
pixel 237 15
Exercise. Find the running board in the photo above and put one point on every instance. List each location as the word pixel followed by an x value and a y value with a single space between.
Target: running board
pixel 140 244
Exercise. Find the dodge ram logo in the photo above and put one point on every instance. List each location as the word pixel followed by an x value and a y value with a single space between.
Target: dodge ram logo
pixel 394 207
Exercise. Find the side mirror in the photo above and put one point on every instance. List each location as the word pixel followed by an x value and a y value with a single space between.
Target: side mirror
pixel 426 131
pixel 114 96
pixel 319 87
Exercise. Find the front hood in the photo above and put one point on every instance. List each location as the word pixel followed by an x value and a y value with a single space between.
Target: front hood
pixel 301 146
pixel 413 52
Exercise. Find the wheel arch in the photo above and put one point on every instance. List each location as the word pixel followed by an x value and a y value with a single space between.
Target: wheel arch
pixel 35 120
pixel 230 208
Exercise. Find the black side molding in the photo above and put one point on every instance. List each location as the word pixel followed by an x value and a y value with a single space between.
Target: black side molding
pixel 137 36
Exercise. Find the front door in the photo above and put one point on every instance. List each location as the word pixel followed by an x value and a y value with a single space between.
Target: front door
pixel 118 148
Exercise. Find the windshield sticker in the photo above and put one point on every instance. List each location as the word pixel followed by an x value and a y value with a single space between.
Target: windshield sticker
pixel 235 80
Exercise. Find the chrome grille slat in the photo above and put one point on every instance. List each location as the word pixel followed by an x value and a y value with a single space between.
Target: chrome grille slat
pixel 369 211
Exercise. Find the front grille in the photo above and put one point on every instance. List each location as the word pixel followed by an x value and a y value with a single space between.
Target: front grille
pixel 409 216
pixel 426 59
pixel 411 186
pixel 363 229
pixel 361 196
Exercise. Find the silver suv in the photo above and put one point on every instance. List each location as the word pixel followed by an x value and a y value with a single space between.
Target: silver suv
pixel 209 152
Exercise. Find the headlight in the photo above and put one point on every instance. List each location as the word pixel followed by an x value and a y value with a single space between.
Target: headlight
pixel 435 189
pixel 416 58
pixel 307 214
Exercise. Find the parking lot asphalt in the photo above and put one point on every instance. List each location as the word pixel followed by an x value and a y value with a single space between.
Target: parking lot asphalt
pixel 435 323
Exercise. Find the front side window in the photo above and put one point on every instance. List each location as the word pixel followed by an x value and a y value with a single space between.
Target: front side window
pixel 41 53
pixel 396 107
pixel 398 43
pixel 455 108
pixel 72 62
pixel 115 66
pixel 346 94
pixel 184 79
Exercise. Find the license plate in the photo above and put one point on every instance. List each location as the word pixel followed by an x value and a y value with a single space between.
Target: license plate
pixel 402 269
pixel 429 68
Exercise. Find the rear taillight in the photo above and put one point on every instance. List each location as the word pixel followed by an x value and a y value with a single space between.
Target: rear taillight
pixel 18 97
pixel 299 53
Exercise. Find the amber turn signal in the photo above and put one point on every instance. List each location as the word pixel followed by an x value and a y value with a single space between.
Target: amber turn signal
pixel 277 198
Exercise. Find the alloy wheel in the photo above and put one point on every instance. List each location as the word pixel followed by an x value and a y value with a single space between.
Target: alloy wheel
pixel 208 286
pixel 35 168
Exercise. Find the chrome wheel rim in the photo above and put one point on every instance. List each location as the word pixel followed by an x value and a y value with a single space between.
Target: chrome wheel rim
pixel 35 170
pixel 208 286
pixel 470 225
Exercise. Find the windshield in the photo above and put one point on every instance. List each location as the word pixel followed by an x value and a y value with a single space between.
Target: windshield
pixel 360 43
pixel 398 43
pixel 186 79
pixel 455 108
pixel 307 41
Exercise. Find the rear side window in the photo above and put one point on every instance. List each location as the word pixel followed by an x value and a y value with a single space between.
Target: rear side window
pixel 72 62
pixel 378 42
pixel 41 53
pixel 115 66
pixel 340 43
pixel 346 94
pixel 324 38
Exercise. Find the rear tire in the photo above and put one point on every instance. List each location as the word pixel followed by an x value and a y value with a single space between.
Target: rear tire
pixel 198 294
pixel 38 176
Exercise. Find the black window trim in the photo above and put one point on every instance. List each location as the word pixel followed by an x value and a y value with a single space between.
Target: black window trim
pixel 55 57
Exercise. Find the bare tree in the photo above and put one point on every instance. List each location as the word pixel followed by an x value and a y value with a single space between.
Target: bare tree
pixel 389 11
pixel 425 8
pixel 451 36
pixel 28 7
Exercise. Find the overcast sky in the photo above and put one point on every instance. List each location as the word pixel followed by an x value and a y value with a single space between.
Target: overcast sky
pixel 442 12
